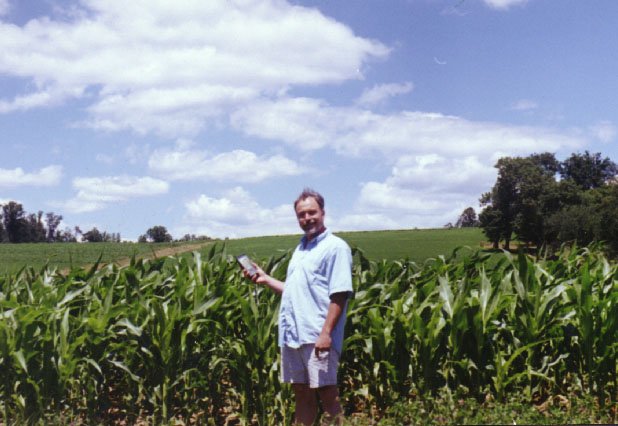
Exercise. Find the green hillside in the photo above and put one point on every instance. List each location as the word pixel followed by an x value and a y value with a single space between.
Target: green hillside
pixel 417 244
pixel 13 257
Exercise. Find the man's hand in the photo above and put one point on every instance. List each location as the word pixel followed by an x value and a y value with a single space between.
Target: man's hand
pixel 335 308
pixel 323 343
pixel 259 277
pixel 262 278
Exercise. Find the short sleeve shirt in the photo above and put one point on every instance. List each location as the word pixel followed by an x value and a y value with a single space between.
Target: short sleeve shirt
pixel 316 271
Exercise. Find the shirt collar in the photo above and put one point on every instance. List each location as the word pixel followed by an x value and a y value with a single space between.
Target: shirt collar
pixel 312 243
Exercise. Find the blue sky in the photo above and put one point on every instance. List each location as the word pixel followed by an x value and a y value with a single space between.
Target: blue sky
pixel 209 117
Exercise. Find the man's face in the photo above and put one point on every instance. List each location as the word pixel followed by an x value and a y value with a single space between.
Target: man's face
pixel 310 217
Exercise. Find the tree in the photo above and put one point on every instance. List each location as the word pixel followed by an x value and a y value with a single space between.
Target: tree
pixel 606 206
pixel 588 171
pixel 491 221
pixel 515 198
pixel 158 234
pixel 93 236
pixel 65 236
pixel 578 223
pixel 547 162
pixel 529 202
pixel 53 221
pixel 17 226
pixel 78 232
pixel 13 219
pixel 467 219
pixel 35 230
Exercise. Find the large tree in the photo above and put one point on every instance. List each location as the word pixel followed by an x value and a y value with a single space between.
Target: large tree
pixel 53 221
pixel 467 219
pixel 606 208
pixel 529 202
pixel 514 198
pixel 490 219
pixel 588 171
pixel 35 229
pixel 14 221
pixel 158 234
pixel 93 236
pixel 577 223
pixel 18 226
pixel 514 203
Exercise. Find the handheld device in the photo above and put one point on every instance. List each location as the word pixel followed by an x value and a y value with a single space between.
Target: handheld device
pixel 246 264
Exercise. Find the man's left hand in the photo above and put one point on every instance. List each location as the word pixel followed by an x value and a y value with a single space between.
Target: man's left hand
pixel 322 344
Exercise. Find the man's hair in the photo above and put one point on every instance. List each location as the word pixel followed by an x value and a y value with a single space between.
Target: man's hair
pixel 310 193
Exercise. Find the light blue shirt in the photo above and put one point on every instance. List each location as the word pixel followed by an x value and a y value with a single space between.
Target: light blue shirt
pixel 315 272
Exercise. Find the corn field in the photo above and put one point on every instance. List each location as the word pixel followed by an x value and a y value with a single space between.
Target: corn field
pixel 190 340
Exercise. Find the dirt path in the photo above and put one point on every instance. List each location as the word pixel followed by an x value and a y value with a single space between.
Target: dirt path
pixel 164 252
pixel 168 251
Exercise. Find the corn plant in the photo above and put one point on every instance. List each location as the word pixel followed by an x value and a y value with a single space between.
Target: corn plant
pixel 191 340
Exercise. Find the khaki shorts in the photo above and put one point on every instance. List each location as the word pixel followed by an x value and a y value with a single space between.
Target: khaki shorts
pixel 302 366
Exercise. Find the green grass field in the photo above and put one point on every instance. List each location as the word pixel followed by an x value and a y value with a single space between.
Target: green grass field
pixel 417 245
pixel 13 257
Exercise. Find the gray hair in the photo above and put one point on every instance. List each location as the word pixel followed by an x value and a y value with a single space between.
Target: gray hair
pixel 310 193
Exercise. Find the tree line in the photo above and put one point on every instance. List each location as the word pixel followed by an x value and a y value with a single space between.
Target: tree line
pixel 19 226
pixel 544 202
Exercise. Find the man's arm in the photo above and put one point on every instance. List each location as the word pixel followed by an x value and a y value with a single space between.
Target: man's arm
pixel 335 308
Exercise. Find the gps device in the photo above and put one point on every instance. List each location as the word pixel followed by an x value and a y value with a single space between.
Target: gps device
pixel 246 264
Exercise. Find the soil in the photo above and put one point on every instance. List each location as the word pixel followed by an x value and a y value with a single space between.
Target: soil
pixel 169 251
pixel 164 252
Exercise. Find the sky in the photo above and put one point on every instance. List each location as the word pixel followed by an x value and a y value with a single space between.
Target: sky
pixel 210 117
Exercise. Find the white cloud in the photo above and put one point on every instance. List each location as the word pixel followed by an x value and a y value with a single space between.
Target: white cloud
pixel 385 197
pixel 605 131
pixel 168 67
pixel 504 4
pixel 305 123
pixel 382 92
pixel 384 205
pixel 46 97
pixel 311 124
pixel 440 164
pixel 422 191
pixel 235 166
pixel 237 214
pixel 439 175
pixel 97 192
pixel 166 111
pixel 47 176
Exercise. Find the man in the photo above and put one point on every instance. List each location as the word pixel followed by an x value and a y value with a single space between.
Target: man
pixel 313 309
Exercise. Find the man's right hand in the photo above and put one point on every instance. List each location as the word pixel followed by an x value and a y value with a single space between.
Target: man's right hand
pixel 262 278
pixel 259 275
